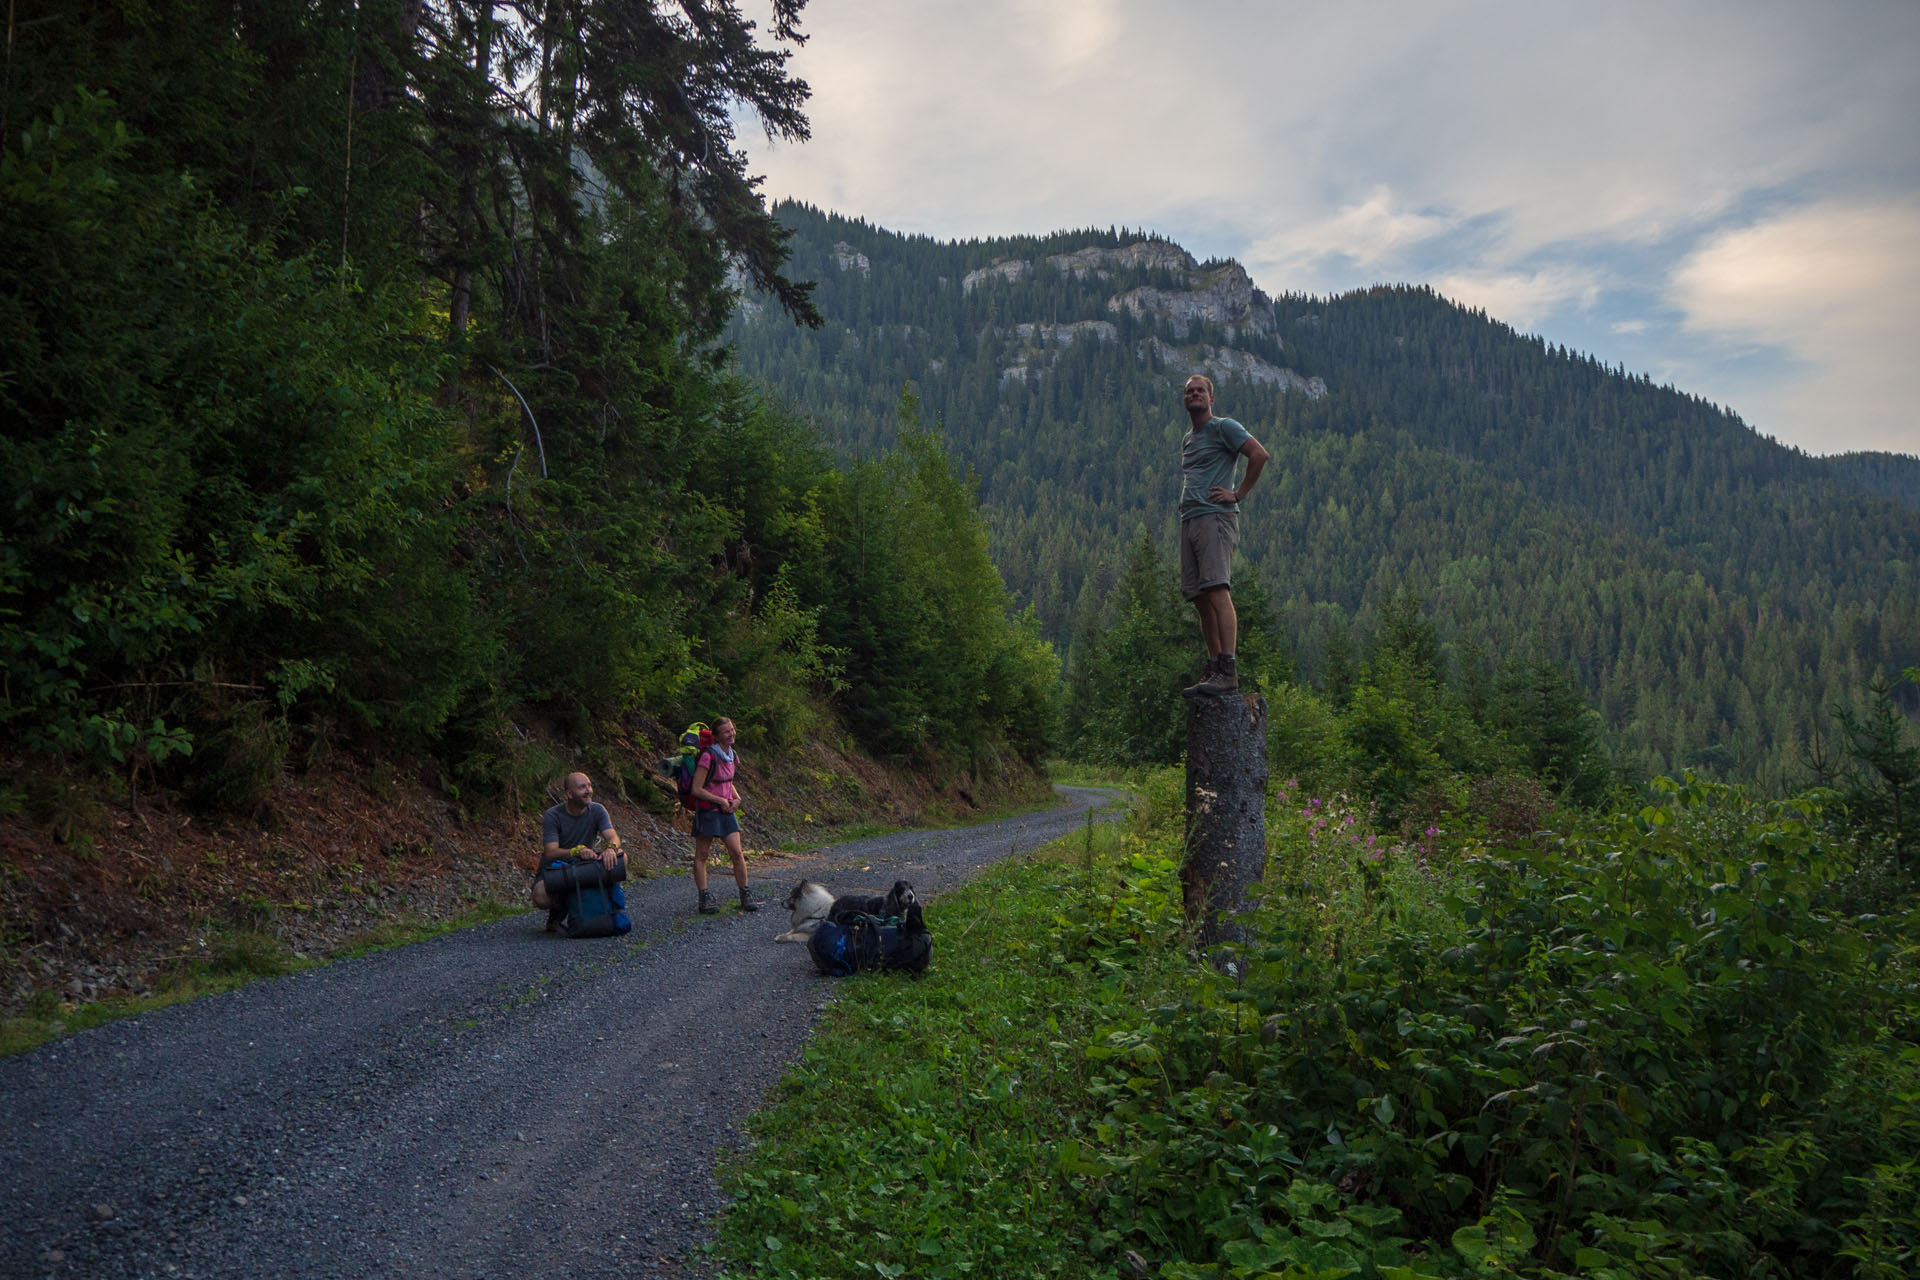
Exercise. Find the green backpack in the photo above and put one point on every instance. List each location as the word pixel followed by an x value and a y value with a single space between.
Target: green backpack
pixel 680 766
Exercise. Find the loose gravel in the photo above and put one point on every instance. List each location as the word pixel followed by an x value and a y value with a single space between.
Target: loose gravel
pixel 497 1102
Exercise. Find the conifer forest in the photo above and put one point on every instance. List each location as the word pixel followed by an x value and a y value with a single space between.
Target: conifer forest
pixel 364 384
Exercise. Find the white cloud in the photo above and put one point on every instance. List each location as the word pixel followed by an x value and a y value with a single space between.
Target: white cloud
pixel 1375 232
pixel 1627 326
pixel 1625 121
pixel 1822 264
pixel 1835 289
pixel 1522 299
pixel 1070 32
pixel 992 118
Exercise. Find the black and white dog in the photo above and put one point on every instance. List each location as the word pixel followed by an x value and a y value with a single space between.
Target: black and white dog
pixel 807 907
pixel 883 907
pixel 908 948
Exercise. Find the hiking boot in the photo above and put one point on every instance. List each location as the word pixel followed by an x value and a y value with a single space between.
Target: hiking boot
pixel 708 905
pixel 556 917
pixel 1225 678
pixel 747 901
pixel 1199 686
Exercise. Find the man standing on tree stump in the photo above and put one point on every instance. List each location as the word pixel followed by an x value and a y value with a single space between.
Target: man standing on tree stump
pixel 1210 527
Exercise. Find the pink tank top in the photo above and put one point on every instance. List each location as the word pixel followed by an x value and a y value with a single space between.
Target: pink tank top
pixel 720 771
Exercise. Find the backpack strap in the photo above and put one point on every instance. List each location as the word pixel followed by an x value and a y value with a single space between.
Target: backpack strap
pixel 866 950
pixel 693 773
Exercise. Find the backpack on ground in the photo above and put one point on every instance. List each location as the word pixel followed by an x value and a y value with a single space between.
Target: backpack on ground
pixel 589 895
pixel 681 766
pixel 865 943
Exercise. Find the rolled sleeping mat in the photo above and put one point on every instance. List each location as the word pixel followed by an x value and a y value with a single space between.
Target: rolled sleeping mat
pixel 565 878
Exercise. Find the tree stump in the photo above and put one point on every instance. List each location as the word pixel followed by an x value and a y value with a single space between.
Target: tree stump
pixel 1226 811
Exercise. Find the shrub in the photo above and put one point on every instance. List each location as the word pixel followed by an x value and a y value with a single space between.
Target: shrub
pixel 1304 739
pixel 1640 1050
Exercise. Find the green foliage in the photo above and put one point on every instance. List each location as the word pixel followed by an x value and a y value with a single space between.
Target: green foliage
pixel 1389 726
pixel 1880 778
pixel 351 409
pixel 1542 711
pixel 1653 1046
pixel 1121 709
pixel 1639 1051
pixel 1304 739
pixel 1143 645
pixel 243 751
pixel 907 592
pixel 1404 735
pixel 225 471
pixel 781 661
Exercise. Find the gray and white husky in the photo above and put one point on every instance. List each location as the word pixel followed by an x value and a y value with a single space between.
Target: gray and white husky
pixel 807 907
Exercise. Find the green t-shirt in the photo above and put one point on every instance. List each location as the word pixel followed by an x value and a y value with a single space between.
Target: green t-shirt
pixel 1207 458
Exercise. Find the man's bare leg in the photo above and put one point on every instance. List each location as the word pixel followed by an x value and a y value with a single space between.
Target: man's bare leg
pixel 1219 623
pixel 1209 629
pixel 1226 622
pixel 1220 627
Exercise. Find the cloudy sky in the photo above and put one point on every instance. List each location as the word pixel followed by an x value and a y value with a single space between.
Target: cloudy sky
pixel 1724 194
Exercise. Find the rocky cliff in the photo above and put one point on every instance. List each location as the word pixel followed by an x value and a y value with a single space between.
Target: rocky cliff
pixel 1184 298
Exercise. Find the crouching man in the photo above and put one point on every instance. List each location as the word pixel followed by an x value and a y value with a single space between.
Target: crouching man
pixel 576 822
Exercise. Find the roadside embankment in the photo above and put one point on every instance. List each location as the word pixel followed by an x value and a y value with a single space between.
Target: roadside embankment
pixel 108 902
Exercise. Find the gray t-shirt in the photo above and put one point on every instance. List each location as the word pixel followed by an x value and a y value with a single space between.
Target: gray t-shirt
pixel 562 828
pixel 1207 458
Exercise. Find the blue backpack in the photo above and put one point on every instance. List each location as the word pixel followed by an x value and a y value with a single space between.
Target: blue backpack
pixel 590 895
pixel 865 943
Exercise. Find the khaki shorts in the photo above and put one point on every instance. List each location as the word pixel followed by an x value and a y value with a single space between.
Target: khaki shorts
pixel 1206 551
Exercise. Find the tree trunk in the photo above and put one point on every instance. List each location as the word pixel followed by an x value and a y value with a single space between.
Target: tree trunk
pixel 1226 811
pixel 470 156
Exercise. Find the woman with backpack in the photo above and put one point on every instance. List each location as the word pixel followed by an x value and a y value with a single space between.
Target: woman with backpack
pixel 715 801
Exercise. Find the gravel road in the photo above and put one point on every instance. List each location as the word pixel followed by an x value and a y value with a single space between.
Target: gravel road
pixel 495 1102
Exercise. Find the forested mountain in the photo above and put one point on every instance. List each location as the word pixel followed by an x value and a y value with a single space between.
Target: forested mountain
pixel 1713 590
pixel 1895 474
